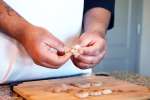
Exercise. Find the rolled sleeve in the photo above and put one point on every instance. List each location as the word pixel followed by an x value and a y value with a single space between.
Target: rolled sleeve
pixel 106 4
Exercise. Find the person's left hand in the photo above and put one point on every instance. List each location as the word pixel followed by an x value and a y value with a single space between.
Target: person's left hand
pixel 92 51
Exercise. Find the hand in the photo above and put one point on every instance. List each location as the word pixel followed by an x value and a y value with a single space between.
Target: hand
pixel 92 51
pixel 45 49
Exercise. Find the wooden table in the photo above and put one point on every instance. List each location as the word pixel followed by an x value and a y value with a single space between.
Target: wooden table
pixel 122 90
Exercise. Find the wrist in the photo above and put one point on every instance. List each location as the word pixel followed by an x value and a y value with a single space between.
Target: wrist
pixel 23 32
pixel 97 29
pixel 101 34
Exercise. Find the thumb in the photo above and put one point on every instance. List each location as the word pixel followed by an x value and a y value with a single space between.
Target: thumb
pixel 84 43
pixel 87 43
pixel 57 45
pixel 56 48
pixel 63 50
pixel 65 58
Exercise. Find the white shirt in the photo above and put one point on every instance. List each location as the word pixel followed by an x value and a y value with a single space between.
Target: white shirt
pixel 63 18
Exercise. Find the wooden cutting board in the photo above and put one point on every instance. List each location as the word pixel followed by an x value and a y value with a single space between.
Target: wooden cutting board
pixel 41 90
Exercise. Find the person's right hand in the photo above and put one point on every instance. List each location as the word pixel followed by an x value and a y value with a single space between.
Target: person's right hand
pixel 45 49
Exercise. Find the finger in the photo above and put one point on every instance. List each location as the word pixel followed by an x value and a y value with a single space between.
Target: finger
pixel 60 50
pixel 91 59
pixel 59 53
pixel 84 43
pixel 102 55
pixel 87 43
pixel 67 49
pixel 63 51
pixel 82 65
pixel 52 58
pixel 88 59
pixel 56 60
pixel 59 47
pixel 52 41
pixel 43 62
pixel 93 50
pixel 90 51
pixel 52 50
pixel 64 58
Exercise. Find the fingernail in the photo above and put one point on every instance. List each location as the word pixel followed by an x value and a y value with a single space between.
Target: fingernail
pixel 61 49
pixel 60 53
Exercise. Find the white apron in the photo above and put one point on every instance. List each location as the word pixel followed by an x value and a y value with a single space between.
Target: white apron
pixel 63 18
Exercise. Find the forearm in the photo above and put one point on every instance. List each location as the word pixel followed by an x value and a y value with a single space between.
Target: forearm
pixel 97 20
pixel 11 22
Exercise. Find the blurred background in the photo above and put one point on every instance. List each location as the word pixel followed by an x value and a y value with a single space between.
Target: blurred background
pixel 129 40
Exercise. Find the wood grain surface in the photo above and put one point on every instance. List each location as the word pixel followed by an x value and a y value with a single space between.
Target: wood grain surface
pixel 42 90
